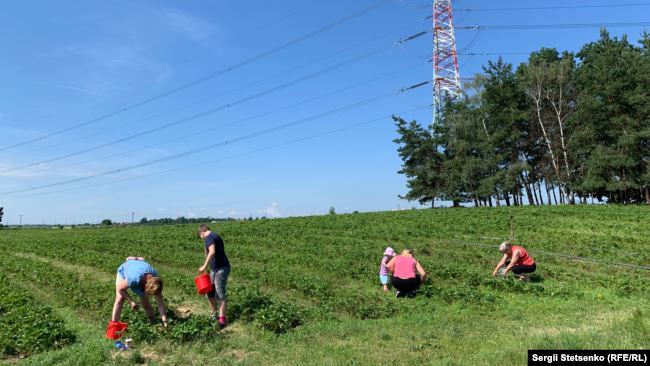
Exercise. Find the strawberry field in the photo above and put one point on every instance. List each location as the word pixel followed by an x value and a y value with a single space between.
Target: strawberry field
pixel 305 290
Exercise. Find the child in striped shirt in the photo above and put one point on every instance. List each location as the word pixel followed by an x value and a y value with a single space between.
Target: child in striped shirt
pixel 389 253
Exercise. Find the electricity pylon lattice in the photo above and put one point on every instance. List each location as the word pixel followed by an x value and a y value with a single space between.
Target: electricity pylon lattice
pixel 446 81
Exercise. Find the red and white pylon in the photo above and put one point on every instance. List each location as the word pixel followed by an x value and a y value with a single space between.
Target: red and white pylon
pixel 446 80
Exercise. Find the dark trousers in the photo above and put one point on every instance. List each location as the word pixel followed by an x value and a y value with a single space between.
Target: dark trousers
pixel 406 285
pixel 521 268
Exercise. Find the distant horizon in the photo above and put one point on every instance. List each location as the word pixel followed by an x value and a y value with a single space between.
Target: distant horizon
pixel 439 205
pixel 242 218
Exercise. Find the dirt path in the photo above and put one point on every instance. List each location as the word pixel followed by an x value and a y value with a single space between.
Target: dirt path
pixel 186 307
pixel 67 266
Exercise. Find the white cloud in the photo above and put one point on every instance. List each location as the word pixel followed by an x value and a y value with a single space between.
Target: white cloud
pixel 105 67
pixel 18 132
pixel 272 211
pixel 232 213
pixel 160 209
pixel 191 26
pixel 111 56
pixel 68 86
pixel 11 170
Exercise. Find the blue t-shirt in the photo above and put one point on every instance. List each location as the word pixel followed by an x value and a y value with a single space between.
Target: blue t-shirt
pixel 220 260
pixel 133 271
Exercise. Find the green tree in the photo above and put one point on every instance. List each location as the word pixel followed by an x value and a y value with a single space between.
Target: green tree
pixel 106 222
pixel 548 81
pixel 422 160
pixel 465 165
pixel 613 98
pixel 642 98
pixel 504 122
pixel 577 126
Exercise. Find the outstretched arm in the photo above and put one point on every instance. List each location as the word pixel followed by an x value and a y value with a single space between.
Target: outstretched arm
pixel 513 262
pixel 161 308
pixel 501 263
pixel 122 288
pixel 121 295
pixel 146 305
pixel 423 274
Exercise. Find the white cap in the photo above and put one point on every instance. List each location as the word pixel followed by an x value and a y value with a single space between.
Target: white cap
pixel 504 246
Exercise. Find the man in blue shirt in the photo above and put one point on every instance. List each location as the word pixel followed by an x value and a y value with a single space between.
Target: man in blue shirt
pixel 143 280
pixel 215 257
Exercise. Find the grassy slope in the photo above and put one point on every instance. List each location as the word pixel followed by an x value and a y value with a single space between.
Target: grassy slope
pixel 328 265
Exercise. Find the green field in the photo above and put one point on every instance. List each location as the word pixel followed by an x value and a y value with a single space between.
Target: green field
pixel 305 290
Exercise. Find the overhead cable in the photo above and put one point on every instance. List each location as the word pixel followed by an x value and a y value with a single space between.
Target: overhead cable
pixel 204 163
pixel 202 79
pixel 213 128
pixel 211 146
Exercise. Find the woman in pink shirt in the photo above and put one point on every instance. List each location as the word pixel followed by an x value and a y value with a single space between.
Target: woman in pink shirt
pixel 407 272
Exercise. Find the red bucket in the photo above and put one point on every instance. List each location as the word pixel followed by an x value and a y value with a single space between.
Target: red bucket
pixel 115 330
pixel 203 284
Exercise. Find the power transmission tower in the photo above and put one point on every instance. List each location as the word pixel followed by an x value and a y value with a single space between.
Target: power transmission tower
pixel 446 80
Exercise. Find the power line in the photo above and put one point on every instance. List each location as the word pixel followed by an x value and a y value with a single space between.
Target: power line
pixel 223 143
pixel 197 115
pixel 492 53
pixel 212 49
pixel 210 111
pixel 557 7
pixel 204 78
pixel 254 31
pixel 414 7
pixel 554 26
pixel 203 163
pixel 472 42
pixel 203 131
pixel 457 23
pixel 201 101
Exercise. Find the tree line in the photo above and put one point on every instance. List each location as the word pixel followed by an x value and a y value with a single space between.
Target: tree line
pixel 560 128
pixel 183 220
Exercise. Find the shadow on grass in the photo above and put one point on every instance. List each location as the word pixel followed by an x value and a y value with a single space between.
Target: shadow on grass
pixel 536 278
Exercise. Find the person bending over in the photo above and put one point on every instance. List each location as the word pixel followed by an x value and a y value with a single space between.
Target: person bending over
pixel 407 272
pixel 516 260
pixel 143 280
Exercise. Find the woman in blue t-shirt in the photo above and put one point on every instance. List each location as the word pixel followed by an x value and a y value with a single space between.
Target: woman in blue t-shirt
pixel 215 257
pixel 143 280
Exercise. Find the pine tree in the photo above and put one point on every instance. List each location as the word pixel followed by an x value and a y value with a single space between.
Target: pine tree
pixel 578 127
pixel 422 162
pixel 612 100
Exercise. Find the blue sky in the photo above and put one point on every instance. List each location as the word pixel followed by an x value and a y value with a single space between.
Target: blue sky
pixel 65 62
